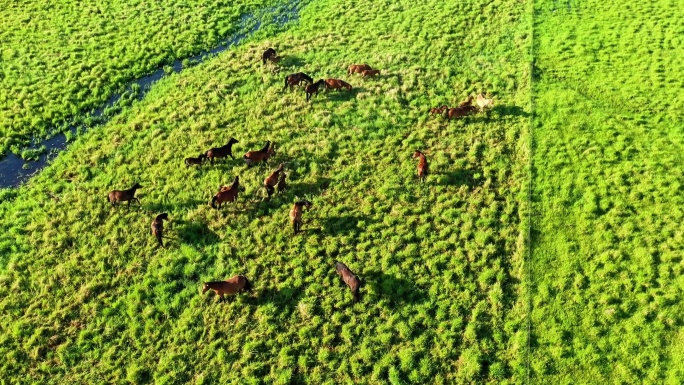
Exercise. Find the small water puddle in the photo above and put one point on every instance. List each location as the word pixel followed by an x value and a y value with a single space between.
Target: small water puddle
pixel 14 170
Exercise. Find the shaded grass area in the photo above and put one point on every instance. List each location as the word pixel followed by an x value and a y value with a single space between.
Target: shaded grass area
pixel 62 59
pixel 86 296
pixel 608 178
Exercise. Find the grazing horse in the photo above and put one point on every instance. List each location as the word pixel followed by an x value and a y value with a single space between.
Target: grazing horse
pixel 272 180
pixel 336 84
pixel 296 214
pixel 422 165
pixel 282 185
pixel 371 73
pixel 230 286
pixel 266 152
pixel 312 89
pixel 124 195
pixel 269 55
pixel 198 160
pixel 460 111
pixel 438 110
pixel 358 68
pixel 158 227
pixel 349 278
pixel 295 79
pixel 221 152
pixel 483 102
pixel 467 102
pixel 226 194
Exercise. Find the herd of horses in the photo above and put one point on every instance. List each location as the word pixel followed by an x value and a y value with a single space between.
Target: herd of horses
pixel 276 179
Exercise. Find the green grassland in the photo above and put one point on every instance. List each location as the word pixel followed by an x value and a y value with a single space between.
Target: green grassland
pixel 59 59
pixel 607 263
pixel 86 297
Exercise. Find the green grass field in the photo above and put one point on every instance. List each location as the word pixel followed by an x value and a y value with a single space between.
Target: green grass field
pixel 545 246
pixel 87 298
pixel 59 59
pixel 609 193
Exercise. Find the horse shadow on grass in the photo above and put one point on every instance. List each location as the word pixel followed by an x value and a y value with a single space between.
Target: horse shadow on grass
pixel 289 61
pixel 344 224
pixel 196 233
pixel 504 110
pixel 395 290
pixel 343 95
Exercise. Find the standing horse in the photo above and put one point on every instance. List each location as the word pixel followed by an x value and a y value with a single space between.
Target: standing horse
pixel 422 165
pixel 158 227
pixel 483 102
pixel 198 160
pixel 230 286
pixel 337 84
pixel 358 68
pixel 124 195
pixel 467 102
pixel 269 55
pixel 349 278
pixel 296 214
pixel 226 194
pixel 460 111
pixel 295 79
pixel 312 89
pixel 438 110
pixel 370 73
pixel 221 152
pixel 263 154
pixel 272 180
pixel 282 185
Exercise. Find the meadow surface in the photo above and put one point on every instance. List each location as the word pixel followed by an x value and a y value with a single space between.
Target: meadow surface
pixel 607 265
pixel 86 297
pixel 63 58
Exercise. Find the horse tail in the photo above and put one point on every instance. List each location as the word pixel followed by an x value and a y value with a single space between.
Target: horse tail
pixel 248 285
pixel 285 88
pixel 213 202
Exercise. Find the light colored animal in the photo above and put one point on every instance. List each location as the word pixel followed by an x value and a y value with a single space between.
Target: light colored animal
pixel 483 102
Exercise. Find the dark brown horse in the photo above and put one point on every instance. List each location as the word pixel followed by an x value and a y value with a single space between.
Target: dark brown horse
pixel 272 180
pixel 422 165
pixel 337 84
pixel 124 195
pixel 158 227
pixel 312 89
pixel 226 194
pixel 296 214
pixel 221 152
pixel 252 157
pixel 198 161
pixel 295 79
pixel 349 278
pixel 467 102
pixel 269 55
pixel 358 68
pixel 459 112
pixel 230 286
pixel 282 185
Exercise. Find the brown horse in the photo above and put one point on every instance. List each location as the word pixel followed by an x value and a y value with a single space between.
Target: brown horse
pixel 438 110
pixel 272 180
pixel 358 68
pixel 370 73
pixel 296 214
pixel 266 152
pixel 336 84
pixel 422 165
pixel 226 194
pixel 230 286
pixel 197 161
pixel 349 278
pixel 221 152
pixel 483 102
pixel 158 227
pixel 467 102
pixel 282 185
pixel 312 89
pixel 460 111
pixel 269 55
pixel 124 195
pixel 295 79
